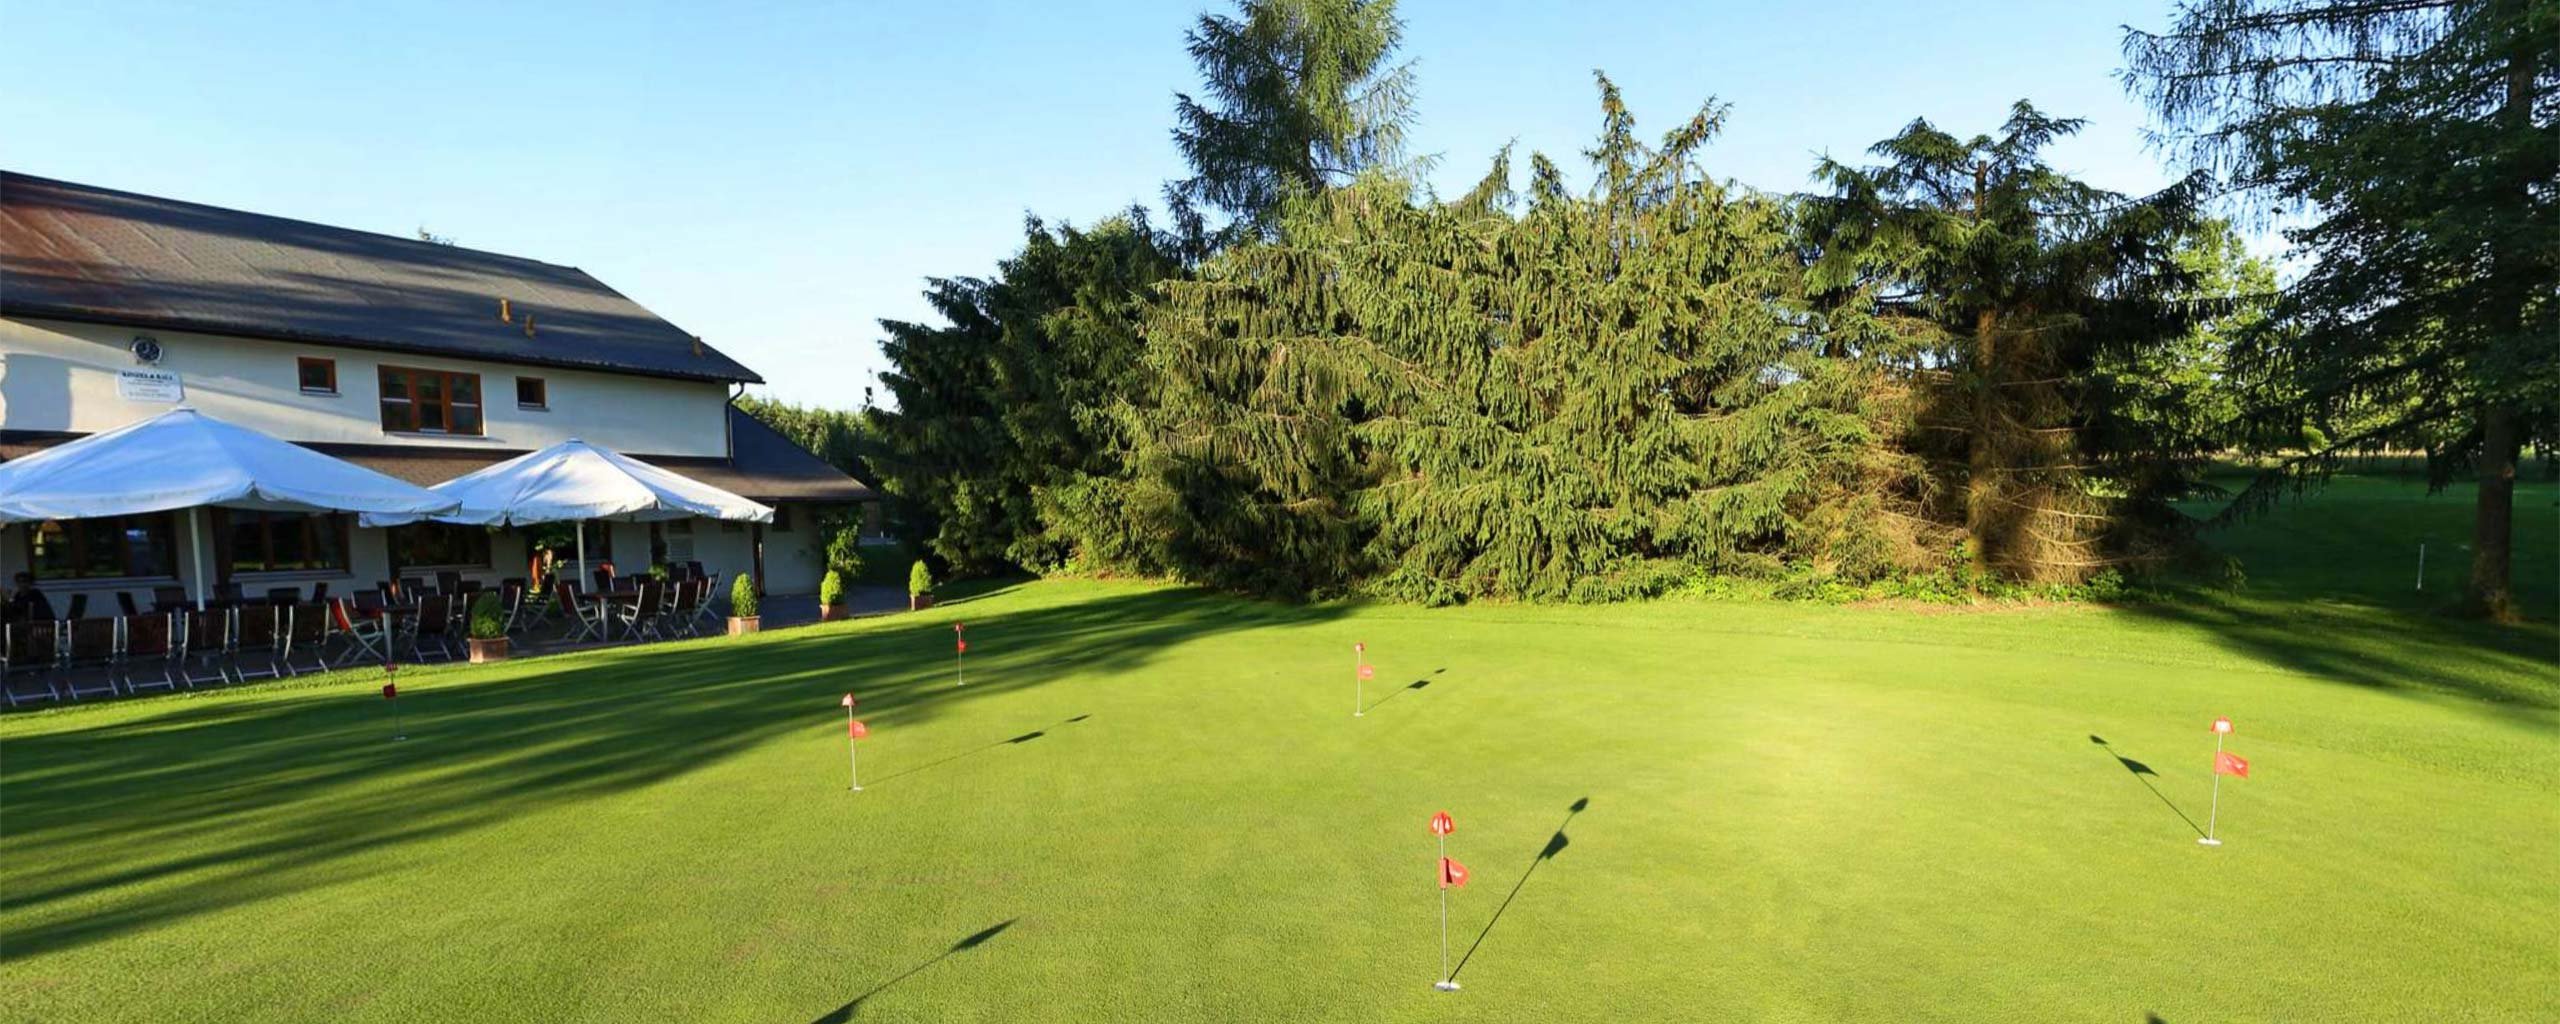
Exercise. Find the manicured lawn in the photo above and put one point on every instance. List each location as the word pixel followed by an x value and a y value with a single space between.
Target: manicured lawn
pixel 1150 804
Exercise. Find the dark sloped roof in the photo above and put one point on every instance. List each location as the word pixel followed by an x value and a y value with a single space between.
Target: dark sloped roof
pixel 765 465
pixel 78 252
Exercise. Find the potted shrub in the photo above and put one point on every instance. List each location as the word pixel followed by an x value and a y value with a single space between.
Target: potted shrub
pixel 831 597
pixel 919 587
pixel 488 640
pixel 742 606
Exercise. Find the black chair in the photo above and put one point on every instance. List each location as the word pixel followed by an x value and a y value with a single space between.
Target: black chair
pixel 29 649
pixel 449 581
pixel 149 638
pixel 320 592
pixel 604 577
pixel 168 599
pixel 311 631
pixel 389 590
pixel 259 631
pixel 90 649
pixel 79 607
pixel 124 601
pixel 207 639
pixel 412 588
pixel 228 592
pixel 284 597
pixel 433 624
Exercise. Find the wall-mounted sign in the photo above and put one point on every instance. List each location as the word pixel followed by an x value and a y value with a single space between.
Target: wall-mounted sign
pixel 149 386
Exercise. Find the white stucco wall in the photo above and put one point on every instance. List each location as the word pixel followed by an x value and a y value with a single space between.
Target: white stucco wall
pixel 56 375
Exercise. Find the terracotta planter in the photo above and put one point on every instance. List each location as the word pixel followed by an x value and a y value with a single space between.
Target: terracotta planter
pixel 742 627
pixel 485 651
pixel 919 602
pixel 832 612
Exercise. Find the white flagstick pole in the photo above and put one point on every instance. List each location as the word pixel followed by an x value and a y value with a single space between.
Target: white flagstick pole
pixel 2422 565
pixel 1443 866
pixel 1359 699
pixel 852 768
pixel 2216 809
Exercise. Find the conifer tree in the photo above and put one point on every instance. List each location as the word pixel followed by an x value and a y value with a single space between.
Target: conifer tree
pixel 1588 398
pixel 2007 281
pixel 2417 145
pixel 1299 96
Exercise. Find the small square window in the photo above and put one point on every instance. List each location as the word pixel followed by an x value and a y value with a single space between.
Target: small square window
pixel 531 393
pixel 319 376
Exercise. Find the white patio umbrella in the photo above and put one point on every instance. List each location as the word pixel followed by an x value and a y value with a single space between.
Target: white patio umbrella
pixel 185 459
pixel 574 480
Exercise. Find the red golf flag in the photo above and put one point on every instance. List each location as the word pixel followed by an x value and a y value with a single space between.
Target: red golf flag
pixel 389 691
pixel 1452 873
pixel 848 700
pixel 856 729
pixel 1441 824
pixel 964 647
pixel 2228 763
pixel 1368 671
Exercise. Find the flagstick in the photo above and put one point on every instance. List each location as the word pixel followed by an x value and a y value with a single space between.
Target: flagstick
pixel 853 769
pixel 2216 808
pixel 2422 565
pixel 1359 699
pixel 1446 983
pixel 397 731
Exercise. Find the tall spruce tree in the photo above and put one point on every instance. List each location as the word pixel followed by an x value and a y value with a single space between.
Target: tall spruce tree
pixel 2419 143
pixel 1589 398
pixel 1004 415
pixel 2006 282
pixel 1299 96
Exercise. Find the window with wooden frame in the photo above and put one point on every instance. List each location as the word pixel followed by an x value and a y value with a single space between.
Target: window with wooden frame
pixel 418 401
pixel 116 546
pixel 532 393
pixel 282 541
pixel 318 376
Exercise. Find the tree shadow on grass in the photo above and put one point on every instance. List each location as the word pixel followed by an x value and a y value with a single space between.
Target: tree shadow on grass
pixel 2506 669
pixel 1555 845
pixel 2142 773
pixel 151 818
pixel 844 1013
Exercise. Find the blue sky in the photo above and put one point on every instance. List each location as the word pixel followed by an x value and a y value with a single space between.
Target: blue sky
pixel 778 178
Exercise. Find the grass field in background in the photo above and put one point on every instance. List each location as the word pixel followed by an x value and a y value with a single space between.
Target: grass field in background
pixel 1154 804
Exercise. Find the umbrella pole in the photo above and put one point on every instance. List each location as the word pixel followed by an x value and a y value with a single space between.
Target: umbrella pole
pixel 581 574
pixel 195 550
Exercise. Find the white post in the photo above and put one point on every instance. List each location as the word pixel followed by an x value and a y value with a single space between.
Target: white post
pixel 2422 565
pixel 2216 808
pixel 579 575
pixel 853 769
pixel 195 550
pixel 1359 701
pixel 1446 982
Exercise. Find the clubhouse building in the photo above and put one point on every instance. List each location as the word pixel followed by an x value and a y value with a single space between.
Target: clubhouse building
pixel 417 359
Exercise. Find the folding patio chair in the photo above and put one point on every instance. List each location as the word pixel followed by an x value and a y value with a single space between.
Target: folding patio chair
pixel 448 581
pixel 284 597
pixel 29 649
pixel 511 603
pixel 309 632
pixel 704 615
pixel 150 638
pixel 584 624
pixel 680 611
pixel 640 618
pixel 259 631
pixel 320 593
pixel 168 599
pixel 368 637
pixel 89 651
pixel 208 639
pixel 79 607
pixel 124 602
pixel 434 622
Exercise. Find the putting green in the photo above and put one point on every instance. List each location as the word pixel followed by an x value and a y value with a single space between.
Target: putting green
pixel 1153 804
